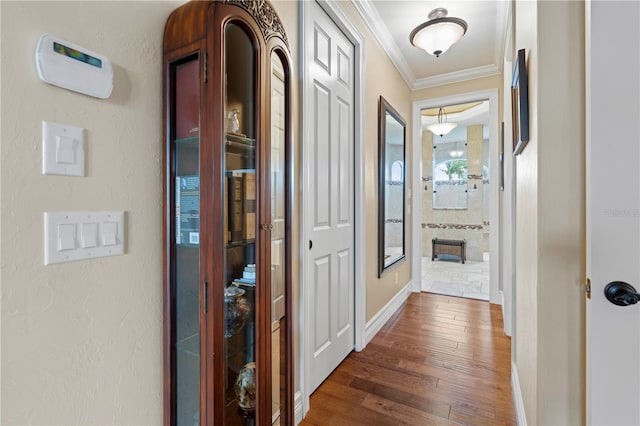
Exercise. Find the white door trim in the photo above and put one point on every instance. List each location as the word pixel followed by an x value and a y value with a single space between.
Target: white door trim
pixel 334 11
pixel 494 202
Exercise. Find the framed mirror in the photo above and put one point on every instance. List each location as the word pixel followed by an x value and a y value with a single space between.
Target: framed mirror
pixel 391 186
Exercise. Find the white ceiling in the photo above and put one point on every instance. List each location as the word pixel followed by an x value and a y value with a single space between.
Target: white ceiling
pixel 478 54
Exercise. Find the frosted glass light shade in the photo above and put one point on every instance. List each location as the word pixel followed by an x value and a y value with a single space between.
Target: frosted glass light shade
pixel 442 128
pixel 439 33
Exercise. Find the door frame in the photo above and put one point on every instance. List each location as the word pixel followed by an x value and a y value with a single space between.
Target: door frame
pixel 494 194
pixel 337 15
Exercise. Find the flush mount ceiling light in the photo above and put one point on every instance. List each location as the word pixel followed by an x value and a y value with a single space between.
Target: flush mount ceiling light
pixel 439 33
pixel 442 127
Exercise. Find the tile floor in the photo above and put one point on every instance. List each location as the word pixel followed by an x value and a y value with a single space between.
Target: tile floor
pixel 452 278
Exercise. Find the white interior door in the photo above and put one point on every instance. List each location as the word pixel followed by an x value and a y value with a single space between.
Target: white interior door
pixel 330 193
pixel 613 209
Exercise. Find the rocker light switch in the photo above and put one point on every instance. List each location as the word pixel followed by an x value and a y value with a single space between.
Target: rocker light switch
pixel 65 150
pixel 89 235
pixel 62 149
pixel 109 230
pixel 66 237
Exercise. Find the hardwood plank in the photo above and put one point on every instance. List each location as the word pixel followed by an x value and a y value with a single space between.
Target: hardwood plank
pixel 405 415
pixel 412 397
pixel 438 361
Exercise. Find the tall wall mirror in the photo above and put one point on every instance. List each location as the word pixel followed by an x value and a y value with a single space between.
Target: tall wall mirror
pixel 391 186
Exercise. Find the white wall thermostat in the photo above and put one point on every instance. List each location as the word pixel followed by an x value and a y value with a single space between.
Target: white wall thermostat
pixel 73 67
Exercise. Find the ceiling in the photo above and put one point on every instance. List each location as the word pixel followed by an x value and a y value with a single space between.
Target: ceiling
pixel 478 54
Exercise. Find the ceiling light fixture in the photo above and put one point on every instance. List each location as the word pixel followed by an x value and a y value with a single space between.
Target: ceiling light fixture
pixel 442 127
pixel 439 33
pixel 456 153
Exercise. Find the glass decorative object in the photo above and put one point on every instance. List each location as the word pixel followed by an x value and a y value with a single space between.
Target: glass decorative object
pixel 238 309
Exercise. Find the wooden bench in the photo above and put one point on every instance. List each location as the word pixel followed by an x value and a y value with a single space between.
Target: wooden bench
pixel 448 247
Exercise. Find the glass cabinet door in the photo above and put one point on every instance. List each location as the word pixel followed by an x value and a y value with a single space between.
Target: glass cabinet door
pixel 278 241
pixel 185 267
pixel 240 227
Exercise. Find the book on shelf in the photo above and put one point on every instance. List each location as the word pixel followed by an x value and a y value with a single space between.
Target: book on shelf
pixel 244 282
pixel 226 234
pixel 249 181
pixel 235 207
pixel 187 201
pixel 241 205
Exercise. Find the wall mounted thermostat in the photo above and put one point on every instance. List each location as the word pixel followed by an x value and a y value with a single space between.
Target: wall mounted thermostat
pixel 72 67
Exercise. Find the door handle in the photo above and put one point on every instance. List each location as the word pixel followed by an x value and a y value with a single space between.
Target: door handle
pixel 621 294
pixel 310 244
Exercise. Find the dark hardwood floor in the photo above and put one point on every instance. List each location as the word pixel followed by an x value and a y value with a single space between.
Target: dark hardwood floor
pixel 438 361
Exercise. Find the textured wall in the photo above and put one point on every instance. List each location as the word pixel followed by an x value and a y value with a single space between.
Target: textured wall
pixel 81 342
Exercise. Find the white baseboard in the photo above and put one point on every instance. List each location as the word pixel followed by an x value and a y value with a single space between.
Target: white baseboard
pixel 517 396
pixel 379 320
pixel 501 295
pixel 298 413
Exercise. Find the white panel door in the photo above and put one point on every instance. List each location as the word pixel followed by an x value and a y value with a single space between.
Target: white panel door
pixel 613 209
pixel 330 193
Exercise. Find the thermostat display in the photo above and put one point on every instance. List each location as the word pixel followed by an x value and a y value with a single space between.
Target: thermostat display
pixel 77 55
pixel 72 67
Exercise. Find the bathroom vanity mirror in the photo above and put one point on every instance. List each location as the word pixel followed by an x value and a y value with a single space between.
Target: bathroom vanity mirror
pixel 391 186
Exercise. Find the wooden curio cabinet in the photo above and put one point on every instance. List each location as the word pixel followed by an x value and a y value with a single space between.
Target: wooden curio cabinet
pixel 227 274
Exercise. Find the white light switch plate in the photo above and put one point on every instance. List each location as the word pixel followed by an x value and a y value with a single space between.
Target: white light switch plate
pixel 62 149
pixel 70 236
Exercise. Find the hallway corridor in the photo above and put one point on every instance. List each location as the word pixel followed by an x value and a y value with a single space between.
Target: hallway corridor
pixel 439 361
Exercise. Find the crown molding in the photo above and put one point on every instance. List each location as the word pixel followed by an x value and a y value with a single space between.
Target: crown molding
pixel 379 30
pixel 457 76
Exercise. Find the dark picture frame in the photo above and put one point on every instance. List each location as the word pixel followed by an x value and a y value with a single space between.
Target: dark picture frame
pixel 520 103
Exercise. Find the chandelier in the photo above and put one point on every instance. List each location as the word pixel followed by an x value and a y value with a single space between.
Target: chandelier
pixel 442 127
pixel 439 33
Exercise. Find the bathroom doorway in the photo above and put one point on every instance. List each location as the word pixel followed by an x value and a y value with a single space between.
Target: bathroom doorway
pixel 455 186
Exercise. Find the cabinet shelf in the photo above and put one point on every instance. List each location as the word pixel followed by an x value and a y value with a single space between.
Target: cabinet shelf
pixel 240 141
pixel 187 245
pixel 193 140
pixel 190 345
pixel 243 243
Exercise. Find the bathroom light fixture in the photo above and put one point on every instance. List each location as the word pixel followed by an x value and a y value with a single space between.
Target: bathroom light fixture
pixel 439 33
pixel 456 153
pixel 442 127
